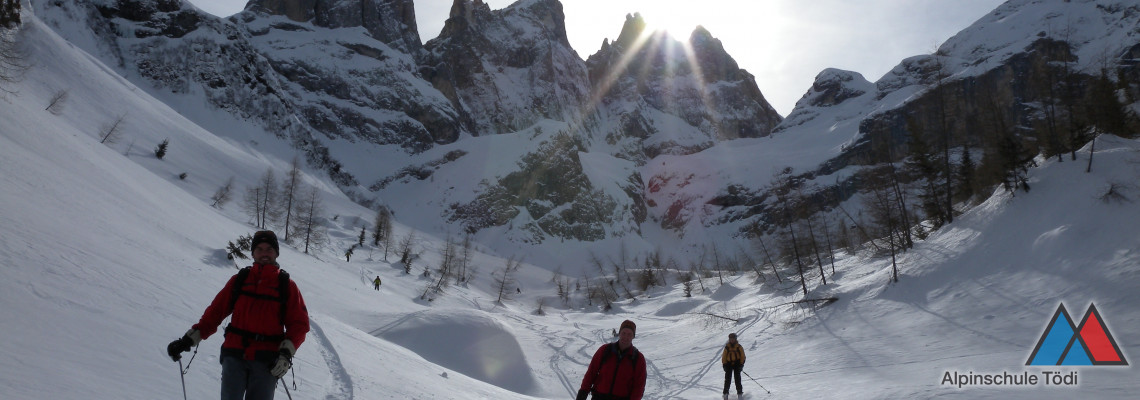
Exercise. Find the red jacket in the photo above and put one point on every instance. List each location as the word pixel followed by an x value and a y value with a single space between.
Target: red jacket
pixel 618 376
pixel 260 315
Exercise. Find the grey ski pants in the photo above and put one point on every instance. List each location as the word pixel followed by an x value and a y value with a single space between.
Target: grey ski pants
pixel 247 378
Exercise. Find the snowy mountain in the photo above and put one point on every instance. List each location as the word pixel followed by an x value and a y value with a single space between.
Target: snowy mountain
pixel 506 70
pixel 109 252
pixel 346 87
pixel 650 142
pixel 1042 77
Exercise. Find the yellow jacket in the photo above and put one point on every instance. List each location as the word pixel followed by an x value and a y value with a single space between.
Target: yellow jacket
pixel 733 353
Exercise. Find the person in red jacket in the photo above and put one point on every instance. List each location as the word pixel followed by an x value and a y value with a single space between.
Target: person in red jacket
pixel 269 322
pixel 617 371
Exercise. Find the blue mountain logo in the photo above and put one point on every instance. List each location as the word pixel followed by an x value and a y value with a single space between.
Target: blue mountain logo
pixel 1065 343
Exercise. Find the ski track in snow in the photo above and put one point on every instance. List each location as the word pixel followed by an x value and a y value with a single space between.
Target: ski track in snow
pixel 559 345
pixel 399 321
pixel 672 388
pixel 560 353
pixel 585 342
pixel 342 380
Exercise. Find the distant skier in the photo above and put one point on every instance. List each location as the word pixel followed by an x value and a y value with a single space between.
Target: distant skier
pixel 376 282
pixel 609 377
pixel 615 332
pixel 732 360
pixel 269 322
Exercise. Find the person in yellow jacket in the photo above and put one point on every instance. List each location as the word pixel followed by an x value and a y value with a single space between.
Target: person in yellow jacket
pixel 732 359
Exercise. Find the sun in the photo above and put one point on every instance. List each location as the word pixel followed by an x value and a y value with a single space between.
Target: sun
pixel 667 36
pixel 676 24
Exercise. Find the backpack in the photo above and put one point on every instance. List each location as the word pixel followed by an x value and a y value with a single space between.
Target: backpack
pixel 613 348
pixel 282 297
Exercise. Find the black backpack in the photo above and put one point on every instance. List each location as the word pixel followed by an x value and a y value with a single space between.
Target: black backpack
pixel 613 348
pixel 282 297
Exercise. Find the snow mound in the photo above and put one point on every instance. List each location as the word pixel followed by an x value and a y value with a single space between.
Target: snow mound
pixel 471 342
pixel 725 292
pixel 678 307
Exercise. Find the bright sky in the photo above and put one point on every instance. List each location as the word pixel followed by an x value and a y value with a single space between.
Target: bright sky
pixel 784 43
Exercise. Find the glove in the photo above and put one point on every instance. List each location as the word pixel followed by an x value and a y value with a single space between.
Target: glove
pixel 282 366
pixel 284 359
pixel 582 395
pixel 177 347
pixel 183 344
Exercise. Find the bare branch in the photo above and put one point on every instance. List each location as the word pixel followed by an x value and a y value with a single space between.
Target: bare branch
pixel 1115 193
pixel 111 132
pixel 55 105
pixel 715 315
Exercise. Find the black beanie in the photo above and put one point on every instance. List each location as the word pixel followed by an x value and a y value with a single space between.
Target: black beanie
pixel 265 237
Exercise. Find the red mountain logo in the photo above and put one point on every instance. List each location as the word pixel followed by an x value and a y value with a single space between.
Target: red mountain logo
pixel 1065 343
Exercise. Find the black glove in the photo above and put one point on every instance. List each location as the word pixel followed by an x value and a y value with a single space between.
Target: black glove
pixel 582 395
pixel 727 367
pixel 177 347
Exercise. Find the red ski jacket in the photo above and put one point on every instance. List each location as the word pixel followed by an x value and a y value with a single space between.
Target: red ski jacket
pixel 620 374
pixel 257 314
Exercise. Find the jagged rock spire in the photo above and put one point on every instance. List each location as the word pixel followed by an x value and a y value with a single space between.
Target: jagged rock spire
pixel 477 59
pixel 656 70
pixel 630 31
pixel 390 21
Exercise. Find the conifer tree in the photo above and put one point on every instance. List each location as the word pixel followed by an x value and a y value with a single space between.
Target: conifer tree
pixel 223 194
pixel 878 201
pixel 10 14
pixel 922 164
pixel 945 98
pixel 307 220
pixel 407 250
pixel 290 191
pixel 382 230
pixel 260 201
pixel 464 272
pixel 965 174
pixel 160 150
pixel 504 279
pixel 13 59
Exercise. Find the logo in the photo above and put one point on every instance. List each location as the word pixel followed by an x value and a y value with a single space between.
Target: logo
pixel 1068 344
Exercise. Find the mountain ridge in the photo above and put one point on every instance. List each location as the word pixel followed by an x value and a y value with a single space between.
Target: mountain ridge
pixel 343 96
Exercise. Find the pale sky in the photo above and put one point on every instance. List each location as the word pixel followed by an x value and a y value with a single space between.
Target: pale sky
pixel 784 43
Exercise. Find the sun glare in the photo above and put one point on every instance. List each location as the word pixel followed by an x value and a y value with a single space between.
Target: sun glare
pixel 676 25
pixel 652 41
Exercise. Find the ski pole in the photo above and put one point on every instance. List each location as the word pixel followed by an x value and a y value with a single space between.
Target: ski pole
pixel 286 386
pixel 182 375
pixel 758 383
pixel 182 371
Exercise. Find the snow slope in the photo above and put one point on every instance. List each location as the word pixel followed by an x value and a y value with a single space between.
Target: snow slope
pixel 106 256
